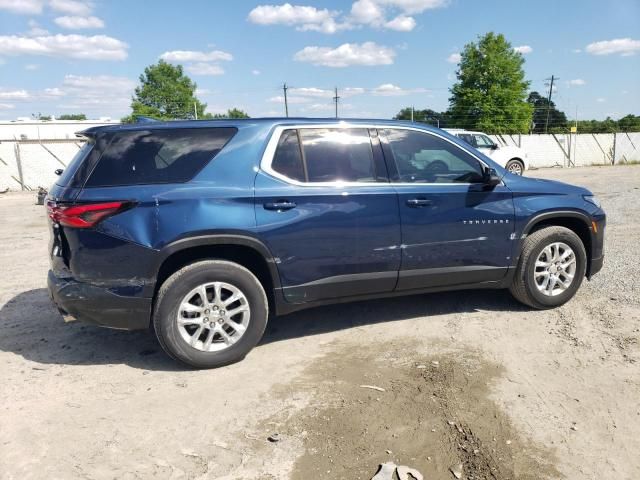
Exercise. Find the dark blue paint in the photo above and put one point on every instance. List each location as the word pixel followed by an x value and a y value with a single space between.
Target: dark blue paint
pixel 337 241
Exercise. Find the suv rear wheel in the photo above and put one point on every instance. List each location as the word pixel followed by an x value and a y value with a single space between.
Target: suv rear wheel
pixel 210 313
pixel 551 268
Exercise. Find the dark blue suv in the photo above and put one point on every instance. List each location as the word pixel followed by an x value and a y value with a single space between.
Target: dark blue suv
pixel 203 229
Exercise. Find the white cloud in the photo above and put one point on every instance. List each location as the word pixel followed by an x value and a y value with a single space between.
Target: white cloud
pixel 32 66
pixel 601 100
pixel 385 14
pixel 401 23
pixel 347 54
pixel 523 49
pixel 35 30
pixel 303 18
pixel 454 58
pixel 577 50
pixel 311 92
pixel 290 99
pixel 72 7
pixel 390 90
pixel 255 72
pixel 53 92
pixel 102 94
pixel 576 82
pixel 77 23
pixel 14 95
pixel 6 106
pixel 177 56
pixel 25 7
pixel 97 47
pixel 99 82
pixel 624 46
pixel 201 68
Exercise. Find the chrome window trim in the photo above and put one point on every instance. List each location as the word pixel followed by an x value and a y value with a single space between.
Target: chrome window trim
pixel 272 145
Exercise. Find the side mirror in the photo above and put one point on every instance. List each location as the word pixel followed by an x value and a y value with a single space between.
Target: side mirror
pixel 58 171
pixel 491 177
pixel 494 146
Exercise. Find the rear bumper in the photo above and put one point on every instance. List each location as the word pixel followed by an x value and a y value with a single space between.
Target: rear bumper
pixel 97 305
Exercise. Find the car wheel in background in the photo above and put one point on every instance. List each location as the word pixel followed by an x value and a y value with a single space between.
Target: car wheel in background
pixel 210 313
pixel 515 166
pixel 552 265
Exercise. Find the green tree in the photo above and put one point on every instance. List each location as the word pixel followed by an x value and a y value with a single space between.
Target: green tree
pixel 232 113
pixel 72 116
pixel 542 106
pixel 491 90
pixel 629 123
pixel 165 93
pixel 431 117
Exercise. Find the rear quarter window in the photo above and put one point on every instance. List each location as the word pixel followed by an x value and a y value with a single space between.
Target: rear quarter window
pixel 141 157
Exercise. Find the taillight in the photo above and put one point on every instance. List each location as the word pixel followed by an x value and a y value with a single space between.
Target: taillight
pixel 84 215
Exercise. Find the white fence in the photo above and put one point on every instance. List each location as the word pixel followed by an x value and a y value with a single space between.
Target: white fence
pixel 28 164
pixel 576 150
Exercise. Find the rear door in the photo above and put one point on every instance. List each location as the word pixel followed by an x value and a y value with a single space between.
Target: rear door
pixel 455 230
pixel 329 215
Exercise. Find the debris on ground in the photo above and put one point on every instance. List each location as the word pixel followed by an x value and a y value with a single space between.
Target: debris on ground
pixel 408 473
pixel 385 471
pixel 456 470
pixel 373 387
pixel 274 438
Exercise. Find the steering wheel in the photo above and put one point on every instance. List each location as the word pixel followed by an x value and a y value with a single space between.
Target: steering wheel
pixel 437 166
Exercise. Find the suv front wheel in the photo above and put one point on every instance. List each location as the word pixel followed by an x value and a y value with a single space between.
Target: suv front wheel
pixel 515 166
pixel 551 268
pixel 210 313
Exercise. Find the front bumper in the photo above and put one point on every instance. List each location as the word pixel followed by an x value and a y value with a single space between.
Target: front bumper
pixel 97 305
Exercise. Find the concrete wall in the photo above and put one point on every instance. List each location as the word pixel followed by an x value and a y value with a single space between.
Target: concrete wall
pixel 37 129
pixel 38 161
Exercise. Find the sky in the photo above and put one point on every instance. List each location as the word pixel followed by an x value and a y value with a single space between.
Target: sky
pixel 85 56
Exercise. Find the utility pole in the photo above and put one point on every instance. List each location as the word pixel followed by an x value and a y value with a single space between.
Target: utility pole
pixel 335 99
pixel 412 114
pixel 195 110
pixel 286 105
pixel 546 125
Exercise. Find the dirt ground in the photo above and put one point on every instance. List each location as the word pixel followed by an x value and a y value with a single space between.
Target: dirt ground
pixel 466 382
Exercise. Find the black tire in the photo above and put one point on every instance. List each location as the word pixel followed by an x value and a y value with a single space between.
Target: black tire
pixel 524 288
pixel 513 164
pixel 178 285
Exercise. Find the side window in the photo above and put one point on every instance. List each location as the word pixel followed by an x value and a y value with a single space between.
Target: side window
pixel 325 155
pixel 426 158
pixel 338 154
pixel 468 138
pixel 288 158
pixel 483 141
pixel 138 157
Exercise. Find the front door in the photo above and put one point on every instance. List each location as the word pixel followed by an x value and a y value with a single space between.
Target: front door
pixel 326 210
pixel 455 229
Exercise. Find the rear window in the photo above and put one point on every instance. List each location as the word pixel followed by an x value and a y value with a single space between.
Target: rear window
pixel 66 178
pixel 158 156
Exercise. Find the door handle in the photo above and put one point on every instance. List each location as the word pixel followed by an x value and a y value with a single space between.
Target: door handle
pixel 280 205
pixel 418 202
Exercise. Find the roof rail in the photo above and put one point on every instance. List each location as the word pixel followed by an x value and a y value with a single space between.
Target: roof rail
pixel 143 119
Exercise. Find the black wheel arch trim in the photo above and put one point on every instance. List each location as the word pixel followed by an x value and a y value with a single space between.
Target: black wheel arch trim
pixel 222 239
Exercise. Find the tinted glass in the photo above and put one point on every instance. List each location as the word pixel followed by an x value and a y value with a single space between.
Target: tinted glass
pixel 483 141
pixel 338 154
pixel 288 158
pixel 467 138
pixel 70 170
pixel 425 158
pixel 158 156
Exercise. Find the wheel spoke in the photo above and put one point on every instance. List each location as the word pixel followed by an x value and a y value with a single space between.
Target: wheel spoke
pixel 202 292
pixel 189 321
pixel 217 288
pixel 209 339
pixel 543 273
pixel 238 327
pixel 233 298
pixel 541 264
pixel 196 335
pixel 191 308
pixel 237 310
pixel 225 336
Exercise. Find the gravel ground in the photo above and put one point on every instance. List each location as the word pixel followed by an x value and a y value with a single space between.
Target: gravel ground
pixel 467 381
